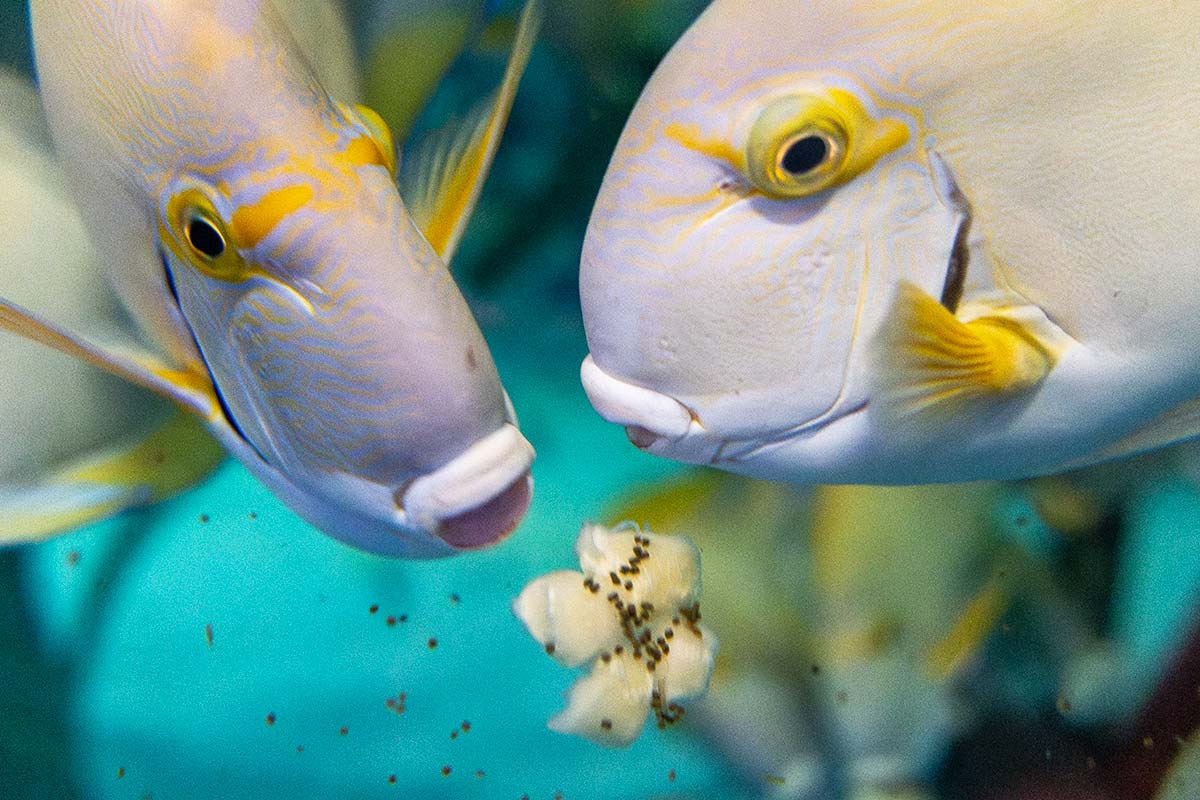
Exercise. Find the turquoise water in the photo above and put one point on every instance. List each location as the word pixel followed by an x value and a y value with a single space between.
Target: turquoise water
pixel 214 646
pixel 292 635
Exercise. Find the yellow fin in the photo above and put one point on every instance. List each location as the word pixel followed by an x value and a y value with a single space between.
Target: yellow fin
pixel 441 182
pixel 175 455
pixel 31 514
pixel 191 389
pixel 964 640
pixel 931 359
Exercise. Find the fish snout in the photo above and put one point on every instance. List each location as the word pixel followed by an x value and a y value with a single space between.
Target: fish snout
pixel 477 498
pixel 653 421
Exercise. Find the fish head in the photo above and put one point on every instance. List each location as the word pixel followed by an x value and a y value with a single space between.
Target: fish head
pixel 749 235
pixel 351 375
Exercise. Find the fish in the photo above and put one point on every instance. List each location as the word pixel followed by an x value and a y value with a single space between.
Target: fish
pixel 283 291
pixel 76 444
pixel 867 243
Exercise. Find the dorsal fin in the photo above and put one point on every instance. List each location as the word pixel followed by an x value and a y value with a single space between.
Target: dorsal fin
pixel 441 179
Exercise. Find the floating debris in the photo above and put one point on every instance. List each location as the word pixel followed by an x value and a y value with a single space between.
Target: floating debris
pixel 373 610
pixel 446 771
pixel 270 718
pixel 344 730
pixel 432 643
pixel 633 614
pixel 208 634
pixel 397 703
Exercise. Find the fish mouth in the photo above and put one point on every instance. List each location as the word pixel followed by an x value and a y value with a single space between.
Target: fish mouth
pixel 661 425
pixel 478 498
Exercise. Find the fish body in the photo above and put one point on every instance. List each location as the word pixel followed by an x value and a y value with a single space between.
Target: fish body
pixel 895 243
pixel 252 226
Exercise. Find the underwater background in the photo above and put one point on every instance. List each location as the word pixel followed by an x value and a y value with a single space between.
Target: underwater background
pixel 1010 641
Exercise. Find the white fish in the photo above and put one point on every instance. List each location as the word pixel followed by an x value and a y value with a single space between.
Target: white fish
pixel 252 226
pixel 903 242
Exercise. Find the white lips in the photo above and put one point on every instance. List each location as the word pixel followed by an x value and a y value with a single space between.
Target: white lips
pixel 487 468
pixel 630 405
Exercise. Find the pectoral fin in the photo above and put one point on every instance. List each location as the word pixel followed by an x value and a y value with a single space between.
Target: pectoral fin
pixel 441 179
pixel 171 458
pixel 931 360
pixel 191 389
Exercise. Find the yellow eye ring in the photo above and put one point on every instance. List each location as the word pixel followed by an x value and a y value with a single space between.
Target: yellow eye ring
pixel 802 144
pixel 201 238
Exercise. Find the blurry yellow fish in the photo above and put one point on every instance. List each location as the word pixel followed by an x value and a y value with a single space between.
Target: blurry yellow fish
pixel 251 224
pixel 847 615
pixel 862 242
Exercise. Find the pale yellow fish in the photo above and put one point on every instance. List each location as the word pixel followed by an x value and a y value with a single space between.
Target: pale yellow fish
pixel 860 242
pixel 848 618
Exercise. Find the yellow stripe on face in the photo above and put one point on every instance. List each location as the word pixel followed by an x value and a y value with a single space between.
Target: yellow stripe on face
pixel 251 224
pixel 690 137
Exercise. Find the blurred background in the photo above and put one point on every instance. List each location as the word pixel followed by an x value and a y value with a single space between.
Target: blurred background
pixel 1021 641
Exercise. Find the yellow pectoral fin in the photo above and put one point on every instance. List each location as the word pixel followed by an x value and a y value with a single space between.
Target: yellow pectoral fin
pixel 932 360
pixel 441 181
pixel 174 456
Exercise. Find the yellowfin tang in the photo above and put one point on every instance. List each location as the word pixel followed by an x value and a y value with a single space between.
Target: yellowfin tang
pixel 252 226
pixel 859 242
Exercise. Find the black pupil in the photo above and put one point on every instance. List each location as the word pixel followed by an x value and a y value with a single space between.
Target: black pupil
pixel 204 237
pixel 804 155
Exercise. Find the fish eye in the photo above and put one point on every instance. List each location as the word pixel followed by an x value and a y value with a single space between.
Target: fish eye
pixel 194 232
pixel 802 154
pixel 805 143
pixel 204 237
